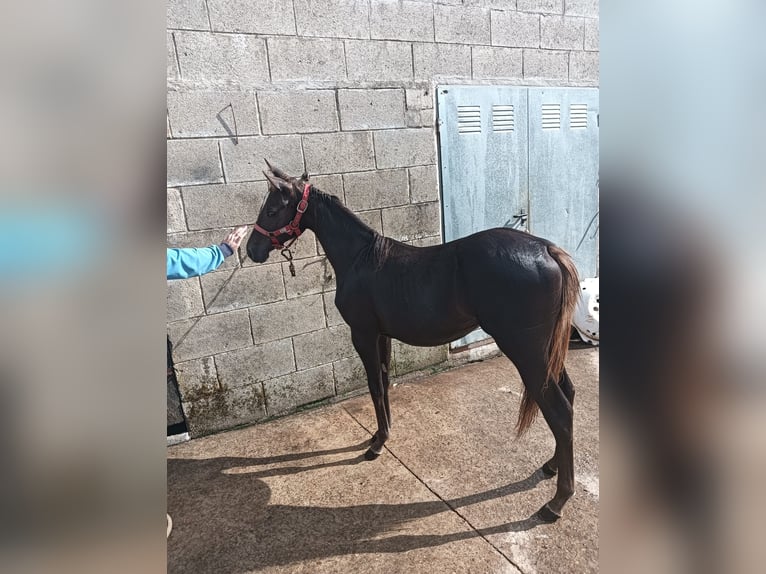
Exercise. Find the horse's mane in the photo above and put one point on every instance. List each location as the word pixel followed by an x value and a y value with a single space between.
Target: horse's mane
pixel 380 247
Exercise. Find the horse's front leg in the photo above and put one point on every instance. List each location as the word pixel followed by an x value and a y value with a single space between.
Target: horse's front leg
pixel 384 348
pixel 366 344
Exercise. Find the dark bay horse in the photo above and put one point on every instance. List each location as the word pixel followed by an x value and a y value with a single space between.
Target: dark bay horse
pixel 522 290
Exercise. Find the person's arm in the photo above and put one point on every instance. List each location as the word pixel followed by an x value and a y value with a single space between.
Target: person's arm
pixel 193 261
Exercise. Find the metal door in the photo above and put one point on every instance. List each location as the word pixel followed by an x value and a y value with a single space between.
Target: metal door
pixel 507 153
pixel 563 171
pixel 483 154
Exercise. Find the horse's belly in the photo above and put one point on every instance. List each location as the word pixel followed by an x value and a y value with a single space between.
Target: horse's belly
pixel 423 332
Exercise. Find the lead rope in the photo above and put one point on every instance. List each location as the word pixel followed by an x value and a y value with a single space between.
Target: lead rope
pixel 287 254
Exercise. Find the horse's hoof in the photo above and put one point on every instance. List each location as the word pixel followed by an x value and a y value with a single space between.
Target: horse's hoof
pixel 371 454
pixel 548 470
pixel 547 515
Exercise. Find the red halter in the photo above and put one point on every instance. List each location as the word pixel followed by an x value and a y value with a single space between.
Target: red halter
pixel 292 228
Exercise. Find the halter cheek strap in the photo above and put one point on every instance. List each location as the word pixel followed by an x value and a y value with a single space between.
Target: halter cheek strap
pixel 293 228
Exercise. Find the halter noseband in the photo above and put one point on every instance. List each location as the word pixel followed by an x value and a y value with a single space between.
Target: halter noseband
pixel 292 228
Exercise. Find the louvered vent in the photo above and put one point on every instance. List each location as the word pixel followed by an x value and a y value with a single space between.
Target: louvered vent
pixel 578 116
pixel 551 116
pixel 469 119
pixel 502 119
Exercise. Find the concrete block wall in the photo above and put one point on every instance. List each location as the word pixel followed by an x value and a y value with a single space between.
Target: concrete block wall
pixel 344 90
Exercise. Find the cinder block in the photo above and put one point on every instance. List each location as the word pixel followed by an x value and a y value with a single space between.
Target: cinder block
pixel 306 59
pixel 378 61
pixel 187 14
pixel 443 60
pixel 323 346
pixel 298 112
pixel 213 206
pixel 313 275
pixel 196 379
pixel 338 152
pixel 515 29
pixel 424 185
pixel 461 24
pixel 412 221
pixel 492 63
pixel 419 98
pixel 541 6
pixel 500 4
pixel 176 221
pixel 204 239
pixel 427 119
pixel 332 184
pixel 587 8
pixel 225 409
pixel 203 114
pixel 253 16
pixel 402 21
pixel 331 311
pixel 173 73
pixel 231 59
pixel 402 148
pixel 372 219
pixel 373 189
pixel 209 335
pixel 591 35
pixel 297 389
pixel 184 299
pixel 409 359
pixel 350 375
pixel 255 364
pixel 371 109
pixel 243 287
pixel 414 118
pixel 193 162
pixel 546 64
pixel 583 66
pixel 244 161
pixel 338 19
pixel 287 318
pixel 562 33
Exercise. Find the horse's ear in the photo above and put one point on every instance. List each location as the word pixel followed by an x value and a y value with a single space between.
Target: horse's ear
pixel 278 184
pixel 276 171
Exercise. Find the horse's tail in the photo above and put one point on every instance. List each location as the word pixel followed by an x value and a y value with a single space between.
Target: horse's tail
pixel 558 345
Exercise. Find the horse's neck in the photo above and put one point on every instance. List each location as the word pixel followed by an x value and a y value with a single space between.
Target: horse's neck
pixel 340 232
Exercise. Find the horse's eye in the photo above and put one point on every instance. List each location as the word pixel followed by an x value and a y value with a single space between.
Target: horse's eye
pixel 271 212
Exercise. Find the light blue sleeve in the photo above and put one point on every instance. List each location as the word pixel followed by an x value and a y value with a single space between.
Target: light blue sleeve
pixel 193 261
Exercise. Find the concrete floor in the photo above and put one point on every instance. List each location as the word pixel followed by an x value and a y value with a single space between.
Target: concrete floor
pixel 453 492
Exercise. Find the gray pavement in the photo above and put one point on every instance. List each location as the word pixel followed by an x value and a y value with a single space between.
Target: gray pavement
pixel 453 492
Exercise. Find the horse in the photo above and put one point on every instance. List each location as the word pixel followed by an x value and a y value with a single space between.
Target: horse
pixel 521 289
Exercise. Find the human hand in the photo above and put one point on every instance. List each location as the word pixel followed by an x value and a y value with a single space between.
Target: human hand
pixel 234 238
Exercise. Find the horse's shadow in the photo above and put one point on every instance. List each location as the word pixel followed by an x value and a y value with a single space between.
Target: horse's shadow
pixel 223 522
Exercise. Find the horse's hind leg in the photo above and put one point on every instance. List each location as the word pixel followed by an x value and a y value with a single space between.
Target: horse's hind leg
pixel 557 410
pixel 367 345
pixel 551 467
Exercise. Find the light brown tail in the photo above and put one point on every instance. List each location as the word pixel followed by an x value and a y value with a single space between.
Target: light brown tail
pixel 559 341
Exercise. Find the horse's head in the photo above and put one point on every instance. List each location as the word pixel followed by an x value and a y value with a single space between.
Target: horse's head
pixel 278 210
